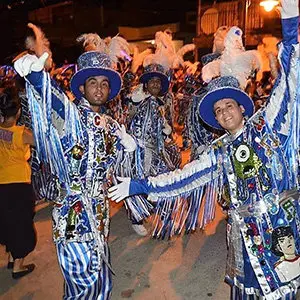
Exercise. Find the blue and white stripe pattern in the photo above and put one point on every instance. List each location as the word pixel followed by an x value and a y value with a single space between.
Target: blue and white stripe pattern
pixel 83 280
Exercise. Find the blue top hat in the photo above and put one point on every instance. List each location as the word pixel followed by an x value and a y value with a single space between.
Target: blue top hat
pixel 221 88
pixel 94 63
pixel 156 70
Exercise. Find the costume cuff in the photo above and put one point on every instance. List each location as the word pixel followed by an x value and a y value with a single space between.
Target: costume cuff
pixel 138 186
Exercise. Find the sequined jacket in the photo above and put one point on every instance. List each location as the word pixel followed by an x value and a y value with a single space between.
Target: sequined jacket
pixel 147 127
pixel 82 148
pixel 258 169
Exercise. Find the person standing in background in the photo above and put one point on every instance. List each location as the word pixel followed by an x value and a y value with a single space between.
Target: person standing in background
pixel 17 231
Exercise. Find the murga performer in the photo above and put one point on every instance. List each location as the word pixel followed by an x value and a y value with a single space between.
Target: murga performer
pixel 257 163
pixel 82 146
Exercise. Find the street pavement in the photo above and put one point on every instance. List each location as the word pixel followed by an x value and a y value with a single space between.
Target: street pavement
pixel 184 267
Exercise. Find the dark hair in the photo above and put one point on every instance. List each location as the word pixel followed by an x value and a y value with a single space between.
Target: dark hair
pixel 279 232
pixel 10 102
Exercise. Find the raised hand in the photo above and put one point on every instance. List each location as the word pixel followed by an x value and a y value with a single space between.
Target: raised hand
pixel 39 45
pixel 28 63
pixel 126 140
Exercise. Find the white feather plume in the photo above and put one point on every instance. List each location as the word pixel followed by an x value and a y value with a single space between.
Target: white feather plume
pixel 118 47
pixel 138 58
pixel 165 53
pixel 240 64
pixel 234 61
pixel 211 70
pixel 92 42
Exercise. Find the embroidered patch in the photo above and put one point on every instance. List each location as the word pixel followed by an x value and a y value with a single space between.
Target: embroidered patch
pixel 289 209
pixel 99 121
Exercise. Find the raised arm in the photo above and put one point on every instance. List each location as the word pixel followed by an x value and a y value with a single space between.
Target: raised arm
pixel 45 90
pixel 193 176
pixel 55 120
pixel 280 107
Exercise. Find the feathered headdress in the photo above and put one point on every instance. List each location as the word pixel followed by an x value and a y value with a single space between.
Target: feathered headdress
pixel 165 53
pixel 235 60
pixel 138 58
pixel 165 58
pixel 116 47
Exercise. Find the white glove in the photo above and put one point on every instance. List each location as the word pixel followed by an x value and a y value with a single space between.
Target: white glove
pixel 167 129
pixel 28 63
pixel 120 191
pixel 126 139
pixel 289 9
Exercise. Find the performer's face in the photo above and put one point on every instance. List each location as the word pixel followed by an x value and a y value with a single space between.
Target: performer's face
pixel 154 86
pixel 286 245
pixel 96 90
pixel 229 115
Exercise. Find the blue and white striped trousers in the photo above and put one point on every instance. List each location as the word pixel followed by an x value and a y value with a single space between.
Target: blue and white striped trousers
pixel 78 263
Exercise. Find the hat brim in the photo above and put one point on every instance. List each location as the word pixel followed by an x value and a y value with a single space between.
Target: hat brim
pixel 80 77
pixel 144 78
pixel 206 107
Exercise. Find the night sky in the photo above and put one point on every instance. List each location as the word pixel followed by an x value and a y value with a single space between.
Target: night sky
pixel 14 17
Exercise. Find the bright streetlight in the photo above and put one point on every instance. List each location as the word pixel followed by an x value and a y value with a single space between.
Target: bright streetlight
pixel 268 5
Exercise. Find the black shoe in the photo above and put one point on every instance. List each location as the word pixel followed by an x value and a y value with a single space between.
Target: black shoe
pixel 10 265
pixel 28 269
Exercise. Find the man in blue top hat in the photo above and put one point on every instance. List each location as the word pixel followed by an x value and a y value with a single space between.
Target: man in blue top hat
pixel 257 163
pixel 83 147
pixel 151 129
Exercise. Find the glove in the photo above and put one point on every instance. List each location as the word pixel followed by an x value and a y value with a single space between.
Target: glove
pixel 120 191
pixel 167 129
pixel 289 9
pixel 126 140
pixel 28 63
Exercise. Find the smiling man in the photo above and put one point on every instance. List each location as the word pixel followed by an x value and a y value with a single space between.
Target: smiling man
pixel 257 163
pixel 82 146
pixel 229 115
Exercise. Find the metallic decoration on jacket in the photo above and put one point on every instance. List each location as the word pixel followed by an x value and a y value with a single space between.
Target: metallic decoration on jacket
pixel 74 211
pixel 248 165
pixel 77 152
pixel 71 223
pixel 271 202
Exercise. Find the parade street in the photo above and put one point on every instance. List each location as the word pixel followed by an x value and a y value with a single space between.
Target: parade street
pixel 185 267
